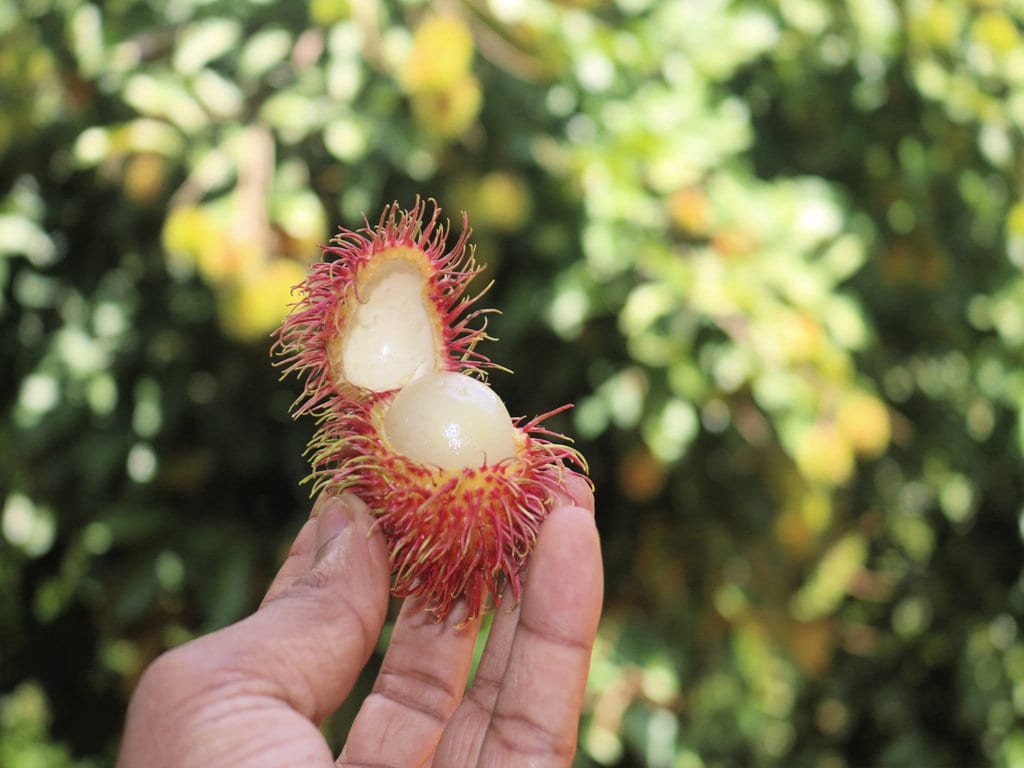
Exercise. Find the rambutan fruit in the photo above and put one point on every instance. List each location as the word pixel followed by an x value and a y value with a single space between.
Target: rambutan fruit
pixel 384 306
pixel 382 335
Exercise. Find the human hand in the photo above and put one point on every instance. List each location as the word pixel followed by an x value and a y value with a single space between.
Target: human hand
pixel 252 694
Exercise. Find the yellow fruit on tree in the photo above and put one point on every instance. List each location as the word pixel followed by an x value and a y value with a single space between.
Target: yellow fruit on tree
pixel 449 113
pixel 824 456
pixel 442 51
pixel 864 422
pixel 255 305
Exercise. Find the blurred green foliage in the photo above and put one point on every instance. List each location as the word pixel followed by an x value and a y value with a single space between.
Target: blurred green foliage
pixel 772 251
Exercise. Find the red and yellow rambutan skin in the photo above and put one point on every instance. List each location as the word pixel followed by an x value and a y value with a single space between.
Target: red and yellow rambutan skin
pixel 310 341
pixel 451 532
pixel 385 342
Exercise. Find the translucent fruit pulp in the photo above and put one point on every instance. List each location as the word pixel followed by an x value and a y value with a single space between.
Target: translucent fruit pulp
pixel 389 338
pixel 451 420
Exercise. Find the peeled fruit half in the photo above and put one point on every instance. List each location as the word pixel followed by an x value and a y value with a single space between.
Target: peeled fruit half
pixel 385 306
pixel 384 340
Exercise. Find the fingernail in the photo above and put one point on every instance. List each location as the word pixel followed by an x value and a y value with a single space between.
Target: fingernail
pixel 333 517
pixel 575 491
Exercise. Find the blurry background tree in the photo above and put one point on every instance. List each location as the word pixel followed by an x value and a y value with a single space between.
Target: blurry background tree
pixel 774 251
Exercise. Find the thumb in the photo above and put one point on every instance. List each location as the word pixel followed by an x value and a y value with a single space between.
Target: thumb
pixel 307 646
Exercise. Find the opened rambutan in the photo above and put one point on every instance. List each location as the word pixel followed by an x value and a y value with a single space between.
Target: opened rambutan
pixel 385 306
pixel 382 335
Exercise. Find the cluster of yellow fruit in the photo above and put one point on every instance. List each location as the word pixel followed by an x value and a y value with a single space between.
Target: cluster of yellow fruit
pixel 252 268
pixel 437 74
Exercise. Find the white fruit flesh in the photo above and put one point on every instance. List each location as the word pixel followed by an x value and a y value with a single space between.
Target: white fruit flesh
pixel 389 339
pixel 451 420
